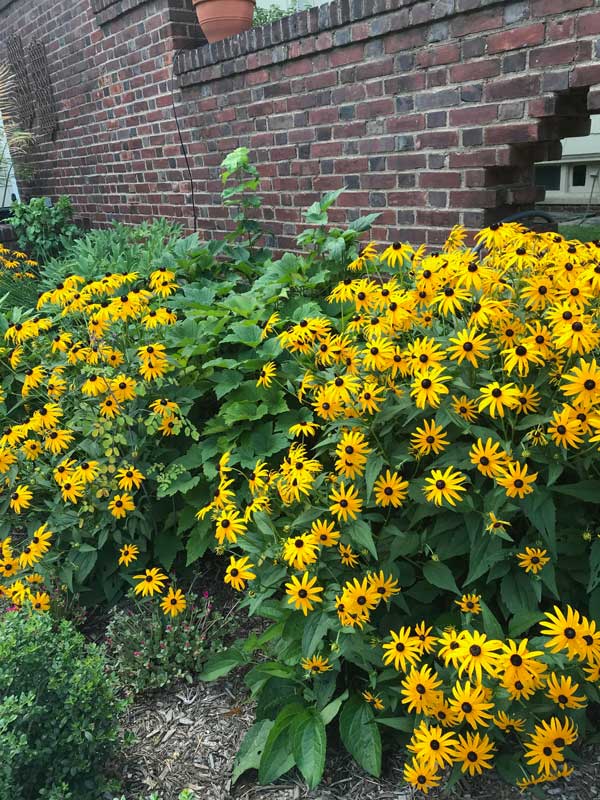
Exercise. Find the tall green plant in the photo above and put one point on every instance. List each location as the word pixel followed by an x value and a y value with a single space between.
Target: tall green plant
pixel 44 230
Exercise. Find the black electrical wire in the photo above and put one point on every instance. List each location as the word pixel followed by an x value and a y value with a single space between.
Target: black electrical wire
pixel 182 143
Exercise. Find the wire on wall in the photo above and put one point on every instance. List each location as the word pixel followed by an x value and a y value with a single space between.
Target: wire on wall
pixel 181 142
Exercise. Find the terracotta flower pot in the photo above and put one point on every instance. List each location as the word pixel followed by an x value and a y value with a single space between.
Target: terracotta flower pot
pixel 222 18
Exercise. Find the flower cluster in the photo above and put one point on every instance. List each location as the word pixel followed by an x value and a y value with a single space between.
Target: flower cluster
pixel 450 409
pixel 85 401
pixel 16 264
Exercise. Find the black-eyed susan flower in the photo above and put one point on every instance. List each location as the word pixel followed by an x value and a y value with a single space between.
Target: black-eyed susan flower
pixel 489 457
pixel 583 382
pixel 444 486
pixel 421 775
pixel 432 746
pixel 565 429
pixel 420 688
pixel 324 533
pixel 563 691
pixel 86 472
pixel 509 724
pixel 496 398
pixel 347 555
pixel 496 525
pixel 477 654
pixel 396 253
pixel 469 345
pixel 565 632
pixel 129 478
pixel 57 441
pixel 346 503
pixel 515 479
pixel 469 603
pixel 121 505
pixel 267 373
pixel 470 704
pixel 546 757
pixel 384 586
pixel 528 400
pixel 390 489
pixel 128 554
pixel 300 550
pixel 173 603
pixel 72 491
pixel 303 593
pixel 533 559
pixel 238 572
pixel 449 646
pixel 20 498
pixel 430 438
pixel 229 525
pixel 403 651
pixel 40 601
pixel 474 753
pixel 304 429
pixel 315 665
pixel 150 582
pixel 352 452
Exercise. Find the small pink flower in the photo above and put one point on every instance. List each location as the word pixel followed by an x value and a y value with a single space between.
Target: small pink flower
pixel 136 653
pixel 205 594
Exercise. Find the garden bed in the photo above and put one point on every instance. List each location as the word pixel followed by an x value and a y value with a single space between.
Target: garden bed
pixel 188 737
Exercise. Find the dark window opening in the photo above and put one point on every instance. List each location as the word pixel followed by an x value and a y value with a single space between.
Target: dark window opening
pixel 548 176
pixel 579 175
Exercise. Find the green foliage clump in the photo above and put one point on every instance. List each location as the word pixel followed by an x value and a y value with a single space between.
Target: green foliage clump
pixel 44 230
pixel 58 711
pixel 148 652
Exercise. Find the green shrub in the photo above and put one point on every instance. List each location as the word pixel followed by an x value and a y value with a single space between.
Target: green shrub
pixel 58 711
pixel 43 230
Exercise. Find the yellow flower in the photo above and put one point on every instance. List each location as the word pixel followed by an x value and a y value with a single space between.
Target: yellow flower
pixel 151 581
pixel 442 486
pixel 238 572
pixel 129 553
pixel 267 374
pixel 303 593
pixel 316 664
pixel 173 603
pixel 120 505
pixel 129 478
pixel 533 559
pixel 496 398
pixel 346 502
pixel 20 498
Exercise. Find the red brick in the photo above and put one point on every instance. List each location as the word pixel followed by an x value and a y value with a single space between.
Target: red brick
pixel 550 56
pixel 512 134
pixel 473 115
pixel 464 24
pixel 402 123
pixel 542 8
pixel 519 86
pixel 346 55
pixel 515 38
pixel 376 108
pixel 434 57
pixel 475 70
pixel 561 29
pixel 440 180
pixel 437 139
pixel 588 24
pixel 585 76
pixel 474 198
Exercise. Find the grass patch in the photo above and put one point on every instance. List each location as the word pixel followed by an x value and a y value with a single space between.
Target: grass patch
pixel 585 233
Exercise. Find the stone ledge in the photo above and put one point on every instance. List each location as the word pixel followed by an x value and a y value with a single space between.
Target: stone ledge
pixel 374 18
pixel 5 4
pixel 7 235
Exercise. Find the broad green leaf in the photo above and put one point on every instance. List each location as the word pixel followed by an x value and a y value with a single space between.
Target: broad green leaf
pixel 594 580
pixel 309 744
pixel 200 539
pixel 584 490
pixel 361 536
pixel 521 623
pixel 166 547
pixel 316 627
pixel 398 723
pixel 221 664
pixel 251 748
pixel 517 593
pixel 491 626
pixel 438 574
pixel 277 757
pixel 360 734
pixel 372 471
pixel 331 709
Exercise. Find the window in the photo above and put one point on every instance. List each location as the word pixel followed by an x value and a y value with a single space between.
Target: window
pixel 579 175
pixel 548 176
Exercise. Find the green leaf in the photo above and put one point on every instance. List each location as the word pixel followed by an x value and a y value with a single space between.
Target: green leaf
pixel 251 748
pixel 594 580
pixel 372 471
pixel 517 592
pixel 360 533
pixel 309 744
pixel 491 626
pixel 316 627
pixel 331 709
pixel 438 574
pixel 523 621
pixel 166 547
pixel 277 757
pixel 360 734
pixel 584 490
pixel 221 664
pixel 398 723
pixel 199 541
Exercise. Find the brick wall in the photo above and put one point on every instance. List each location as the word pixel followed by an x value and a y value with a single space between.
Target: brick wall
pixel 429 111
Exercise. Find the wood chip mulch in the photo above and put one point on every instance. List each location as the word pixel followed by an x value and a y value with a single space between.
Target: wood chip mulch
pixel 187 738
